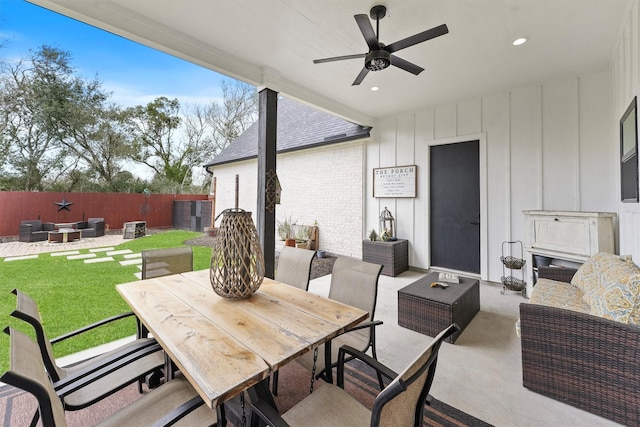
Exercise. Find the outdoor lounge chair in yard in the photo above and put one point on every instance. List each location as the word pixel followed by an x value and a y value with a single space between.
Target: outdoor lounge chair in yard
pixel 355 283
pixel 400 403
pixel 93 227
pixel 174 403
pixel 75 384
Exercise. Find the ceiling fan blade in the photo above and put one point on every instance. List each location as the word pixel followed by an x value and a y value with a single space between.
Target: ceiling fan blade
pixel 417 38
pixel 367 31
pixel 406 65
pixel 360 77
pixel 339 58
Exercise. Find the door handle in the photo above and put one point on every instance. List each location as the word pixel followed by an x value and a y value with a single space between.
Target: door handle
pixel 477 221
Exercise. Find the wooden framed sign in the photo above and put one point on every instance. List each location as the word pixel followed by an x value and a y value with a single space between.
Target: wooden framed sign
pixel 395 181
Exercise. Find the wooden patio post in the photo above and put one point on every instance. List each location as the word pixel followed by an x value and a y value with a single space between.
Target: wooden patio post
pixel 266 215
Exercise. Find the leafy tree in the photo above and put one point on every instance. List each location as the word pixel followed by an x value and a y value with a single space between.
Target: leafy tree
pixel 59 131
pixel 87 125
pixel 154 128
pixel 29 90
pixel 97 134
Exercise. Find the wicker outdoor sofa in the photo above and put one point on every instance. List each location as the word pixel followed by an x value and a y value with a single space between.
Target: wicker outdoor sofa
pixel 93 227
pixel 572 349
pixel 34 230
pixel 37 231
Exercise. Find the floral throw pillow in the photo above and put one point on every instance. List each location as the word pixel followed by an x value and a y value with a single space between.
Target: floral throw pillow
pixel 617 299
pixel 600 269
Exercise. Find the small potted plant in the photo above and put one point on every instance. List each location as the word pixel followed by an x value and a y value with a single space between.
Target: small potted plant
pixel 303 233
pixel 286 231
pixel 373 235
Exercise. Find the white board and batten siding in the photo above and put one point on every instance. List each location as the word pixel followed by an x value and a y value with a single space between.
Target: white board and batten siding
pixel 549 146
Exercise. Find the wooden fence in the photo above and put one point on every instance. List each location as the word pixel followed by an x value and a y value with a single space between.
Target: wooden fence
pixel 116 208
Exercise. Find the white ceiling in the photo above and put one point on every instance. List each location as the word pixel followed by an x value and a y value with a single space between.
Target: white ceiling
pixel 272 43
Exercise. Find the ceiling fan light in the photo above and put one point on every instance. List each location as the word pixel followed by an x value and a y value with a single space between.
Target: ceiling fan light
pixel 377 60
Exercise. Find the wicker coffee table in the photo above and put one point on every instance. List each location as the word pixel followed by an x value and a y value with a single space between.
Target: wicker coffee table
pixel 428 310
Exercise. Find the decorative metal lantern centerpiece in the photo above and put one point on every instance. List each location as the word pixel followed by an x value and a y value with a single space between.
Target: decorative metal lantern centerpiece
pixel 387 230
pixel 237 262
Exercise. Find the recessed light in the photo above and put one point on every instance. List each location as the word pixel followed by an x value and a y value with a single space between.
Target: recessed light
pixel 520 41
pixel 374 88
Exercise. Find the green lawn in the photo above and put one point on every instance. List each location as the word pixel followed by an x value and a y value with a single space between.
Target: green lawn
pixel 71 294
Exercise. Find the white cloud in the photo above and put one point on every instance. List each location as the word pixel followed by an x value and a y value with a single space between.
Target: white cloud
pixel 130 97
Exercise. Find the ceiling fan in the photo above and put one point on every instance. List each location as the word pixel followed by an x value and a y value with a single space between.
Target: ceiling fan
pixel 380 56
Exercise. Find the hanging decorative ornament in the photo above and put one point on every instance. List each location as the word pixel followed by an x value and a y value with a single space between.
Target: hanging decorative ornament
pixel 237 261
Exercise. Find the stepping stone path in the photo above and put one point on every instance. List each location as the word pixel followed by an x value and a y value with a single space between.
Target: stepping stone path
pixel 95 260
pixel 95 255
pixel 18 258
pixel 67 253
pixel 101 249
pixel 83 256
pixel 122 252
pixel 109 252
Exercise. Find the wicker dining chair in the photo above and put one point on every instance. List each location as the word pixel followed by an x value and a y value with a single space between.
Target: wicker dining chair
pixel 355 283
pixel 74 384
pixel 401 403
pixel 174 402
pixel 294 267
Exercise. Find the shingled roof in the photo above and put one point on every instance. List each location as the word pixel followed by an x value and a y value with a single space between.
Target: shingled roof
pixel 299 127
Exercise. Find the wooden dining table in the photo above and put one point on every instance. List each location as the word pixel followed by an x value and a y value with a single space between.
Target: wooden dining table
pixel 226 346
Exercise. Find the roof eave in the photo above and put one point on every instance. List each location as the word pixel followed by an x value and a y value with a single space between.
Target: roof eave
pixel 365 133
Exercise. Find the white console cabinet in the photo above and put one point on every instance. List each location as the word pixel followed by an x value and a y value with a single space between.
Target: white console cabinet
pixel 569 236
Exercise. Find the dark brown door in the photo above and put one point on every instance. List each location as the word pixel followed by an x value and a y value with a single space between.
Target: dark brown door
pixel 455 206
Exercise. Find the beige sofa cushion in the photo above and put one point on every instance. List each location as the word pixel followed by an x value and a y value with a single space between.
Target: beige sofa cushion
pixel 558 294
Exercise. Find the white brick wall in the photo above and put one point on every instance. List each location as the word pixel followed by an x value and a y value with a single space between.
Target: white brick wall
pixel 320 184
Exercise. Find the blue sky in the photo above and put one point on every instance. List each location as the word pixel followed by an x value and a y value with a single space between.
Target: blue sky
pixel 135 74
